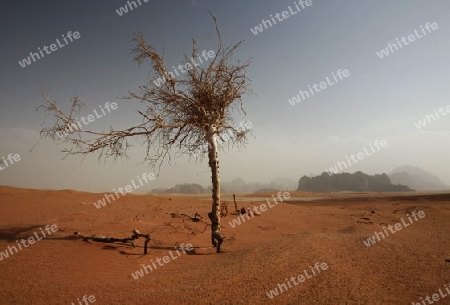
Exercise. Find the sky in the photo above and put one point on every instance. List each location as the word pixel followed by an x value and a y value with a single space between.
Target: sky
pixel 382 96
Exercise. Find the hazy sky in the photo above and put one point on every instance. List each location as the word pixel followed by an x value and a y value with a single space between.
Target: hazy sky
pixel 381 99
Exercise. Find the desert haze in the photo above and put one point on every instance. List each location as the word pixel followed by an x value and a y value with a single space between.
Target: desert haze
pixel 260 256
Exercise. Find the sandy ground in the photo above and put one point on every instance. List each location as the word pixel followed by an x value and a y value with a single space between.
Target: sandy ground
pixel 259 254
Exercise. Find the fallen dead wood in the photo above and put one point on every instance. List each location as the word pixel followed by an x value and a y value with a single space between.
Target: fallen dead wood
pixel 184 223
pixel 106 239
pixel 235 204
pixel 196 218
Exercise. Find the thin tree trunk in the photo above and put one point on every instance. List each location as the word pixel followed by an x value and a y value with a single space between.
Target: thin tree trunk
pixel 214 215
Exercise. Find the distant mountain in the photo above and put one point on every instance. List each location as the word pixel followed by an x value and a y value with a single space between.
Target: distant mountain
pixel 237 185
pixel 356 182
pixel 186 188
pixel 416 178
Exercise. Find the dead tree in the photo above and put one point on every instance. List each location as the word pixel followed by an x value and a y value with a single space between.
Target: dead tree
pixel 182 114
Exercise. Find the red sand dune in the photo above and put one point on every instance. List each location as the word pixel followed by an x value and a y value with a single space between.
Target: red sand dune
pixel 258 254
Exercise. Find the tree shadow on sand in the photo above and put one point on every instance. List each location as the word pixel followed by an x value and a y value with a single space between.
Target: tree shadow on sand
pixel 13 233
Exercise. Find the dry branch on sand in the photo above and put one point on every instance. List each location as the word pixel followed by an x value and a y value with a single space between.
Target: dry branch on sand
pixel 196 218
pixel 106 239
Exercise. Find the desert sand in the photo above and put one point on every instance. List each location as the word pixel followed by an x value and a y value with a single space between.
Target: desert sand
pixel 259 254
